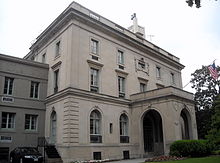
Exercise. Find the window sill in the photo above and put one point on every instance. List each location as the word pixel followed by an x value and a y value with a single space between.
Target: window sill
pixel 4 130
pixel 31 132
pixel 57 56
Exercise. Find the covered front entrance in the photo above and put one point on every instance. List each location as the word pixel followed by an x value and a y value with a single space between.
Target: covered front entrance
pixel 153 133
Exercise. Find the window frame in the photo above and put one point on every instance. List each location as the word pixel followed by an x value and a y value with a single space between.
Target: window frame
pixel 44 58
pixel 56 80
pixel 9 117
pixel 58 48
pixel 143 87
pixel 158 72
pixel 8 86
pixel 95 122
pixel 124 128
pixel 172 78
pixel 94 79
pixel 121 86
pixel 35 93
pixel 120 57
pixel 94 46
pixel 32 122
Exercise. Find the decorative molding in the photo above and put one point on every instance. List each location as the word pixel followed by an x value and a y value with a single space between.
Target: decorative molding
pixel 121 72
pixel 94 63
pixel 56 65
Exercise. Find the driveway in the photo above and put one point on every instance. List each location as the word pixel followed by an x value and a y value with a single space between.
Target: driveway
pixel 139 160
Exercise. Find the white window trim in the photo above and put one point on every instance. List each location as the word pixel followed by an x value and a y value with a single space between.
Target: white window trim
pixel 30 123
pixel 97 53
pixel 7 121
pixel 38 90
pixel 8 85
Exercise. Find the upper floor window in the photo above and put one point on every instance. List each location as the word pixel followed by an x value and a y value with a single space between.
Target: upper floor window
pixel 30 122
pixel 94 47
pixel 158 72
pixel 172 78
pixel 56 80
pixel 142 87
pixel 124 129
pixel 94 77
pixel 95 127
pixel 8 120
pixel 8 87
pixel 44 58
pixel 121 86
pixel 120 57
pixel 57 48
pixel 34 89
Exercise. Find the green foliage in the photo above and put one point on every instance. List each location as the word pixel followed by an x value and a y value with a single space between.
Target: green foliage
pixel 214 133
pixel 203 119
pixel 191 148
pixel 196 2
pixel 206 88
pixel 213 159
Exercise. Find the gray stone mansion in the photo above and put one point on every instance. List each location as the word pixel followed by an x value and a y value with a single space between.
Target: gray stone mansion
pixel 94 90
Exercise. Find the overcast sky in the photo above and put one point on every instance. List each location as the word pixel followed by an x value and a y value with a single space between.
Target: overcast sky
pixel 191 34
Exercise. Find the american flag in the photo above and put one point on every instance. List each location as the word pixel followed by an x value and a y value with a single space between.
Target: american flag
pixel 213 71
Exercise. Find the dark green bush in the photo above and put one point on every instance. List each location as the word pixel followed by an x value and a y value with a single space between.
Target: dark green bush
pixel 191 148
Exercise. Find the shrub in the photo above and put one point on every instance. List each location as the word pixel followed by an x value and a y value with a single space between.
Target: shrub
pixel 191 148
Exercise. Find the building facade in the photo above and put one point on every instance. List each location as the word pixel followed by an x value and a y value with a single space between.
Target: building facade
pixel 111 94
pixel 22 108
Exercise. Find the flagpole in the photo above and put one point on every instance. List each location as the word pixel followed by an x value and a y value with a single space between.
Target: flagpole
pixel 204 68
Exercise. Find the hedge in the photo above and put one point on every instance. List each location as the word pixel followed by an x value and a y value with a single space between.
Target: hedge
pixel 191 148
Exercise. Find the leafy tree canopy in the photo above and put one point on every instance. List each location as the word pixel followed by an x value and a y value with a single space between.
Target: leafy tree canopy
pixel 206 88
pixel 196 2
pixel 214 133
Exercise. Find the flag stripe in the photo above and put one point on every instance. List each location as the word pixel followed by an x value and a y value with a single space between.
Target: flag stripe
pixel 213 71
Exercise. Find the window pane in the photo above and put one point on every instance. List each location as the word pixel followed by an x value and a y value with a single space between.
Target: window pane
pixel 8 120
pixel 94 47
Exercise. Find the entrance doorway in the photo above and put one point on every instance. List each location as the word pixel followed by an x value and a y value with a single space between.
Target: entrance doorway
pixel 153 133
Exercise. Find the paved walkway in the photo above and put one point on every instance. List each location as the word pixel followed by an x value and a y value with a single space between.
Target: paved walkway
pixel 139 160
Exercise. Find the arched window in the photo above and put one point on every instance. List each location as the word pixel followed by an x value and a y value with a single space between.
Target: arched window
pixel 95 127
pixel 124 138
pixel 53 127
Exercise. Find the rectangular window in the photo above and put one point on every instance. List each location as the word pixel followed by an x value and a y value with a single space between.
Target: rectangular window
pixel 8 87
pixel 8 120
pixel 121 86
pixel 110 128
pixel 94 77
pixel 172 76
pixel 142 87
pixel 44 58
pixel 58 48
pixel 94 46
pixel 120 57
pixel 56 80
pixel 158 72
pixel 34 89
pixel 30 122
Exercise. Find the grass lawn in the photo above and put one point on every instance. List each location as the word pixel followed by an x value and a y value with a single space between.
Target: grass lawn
pixel 212 159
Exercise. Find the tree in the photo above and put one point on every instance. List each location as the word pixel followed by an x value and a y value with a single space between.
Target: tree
pixel 207 90
pixel 214 132
pixel 196 2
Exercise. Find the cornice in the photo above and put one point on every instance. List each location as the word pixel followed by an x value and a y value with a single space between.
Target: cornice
pixel 23 62
pixel 86 95
pixel 71 13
